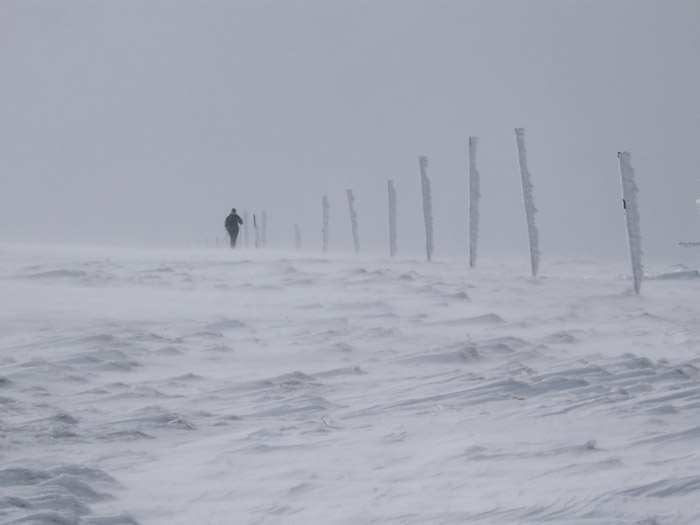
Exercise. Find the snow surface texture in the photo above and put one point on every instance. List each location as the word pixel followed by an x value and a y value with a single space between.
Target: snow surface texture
pixel 474 194
pixel 427 206
pixel 529 202
pixel 634 236
pixel 353 221
pixel 325 208
pixel 282 388
pixel 392 219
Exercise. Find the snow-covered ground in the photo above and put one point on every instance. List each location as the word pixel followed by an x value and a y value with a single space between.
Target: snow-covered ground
pixel 194 387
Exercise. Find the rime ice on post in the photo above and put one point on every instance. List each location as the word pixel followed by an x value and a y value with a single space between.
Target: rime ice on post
pixel 529 202
pixel 392 219
pixel 427 206
pixel 474 195
pixel 297 236
pixel 263 229
pixel 353 220
pixel 324 205
pixel 246 239
pixel 629 201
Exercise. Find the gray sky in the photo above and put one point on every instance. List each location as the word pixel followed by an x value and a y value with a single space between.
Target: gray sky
pixel 145 122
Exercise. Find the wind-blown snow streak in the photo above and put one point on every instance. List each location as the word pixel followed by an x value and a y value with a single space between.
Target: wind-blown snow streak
pixel 392 219
pixel 324 206
pixel 427 206
pixel 634 236
pixel 529 202
pixel 474 195
pixel 353 221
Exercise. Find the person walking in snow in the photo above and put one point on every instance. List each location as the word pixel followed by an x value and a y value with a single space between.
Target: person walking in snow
pixel 232 225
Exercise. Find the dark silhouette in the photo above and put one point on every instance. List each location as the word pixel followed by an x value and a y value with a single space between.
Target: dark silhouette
pixel 232 225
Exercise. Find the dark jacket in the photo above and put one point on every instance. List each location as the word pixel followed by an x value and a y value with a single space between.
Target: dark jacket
pixel 232 221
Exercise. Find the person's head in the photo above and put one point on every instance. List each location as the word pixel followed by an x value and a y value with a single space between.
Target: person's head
pixel 233 210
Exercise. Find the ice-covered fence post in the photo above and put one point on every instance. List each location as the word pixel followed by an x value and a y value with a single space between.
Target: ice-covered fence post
pixel 629 203
pixel 263 230
pixel 392 219
pixel 297 236
pixel 257 232
pixel 353 221
pixel 529 202
pixel 246 240
pixel 324 206
pixel 427 206
pixel 474 195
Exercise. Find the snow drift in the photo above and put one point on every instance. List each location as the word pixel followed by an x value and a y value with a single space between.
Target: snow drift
pixel 262 387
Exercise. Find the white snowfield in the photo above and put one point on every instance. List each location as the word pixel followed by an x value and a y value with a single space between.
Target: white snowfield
pixel 240 387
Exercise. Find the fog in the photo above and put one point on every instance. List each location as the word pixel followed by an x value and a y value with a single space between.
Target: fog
pixel 144 122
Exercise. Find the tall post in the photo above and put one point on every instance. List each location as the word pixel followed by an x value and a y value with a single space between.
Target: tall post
pixel 474 195
pixel 297 237
pixel 324 206
pixel 629 204
pixel 392 219
pixel 353 221
pixel 529 202
pixel 246 240
pixel 427 206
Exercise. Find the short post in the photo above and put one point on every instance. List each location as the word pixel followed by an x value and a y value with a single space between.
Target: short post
pixel 392 219
pixel 257 232
pixel 325 207
pixel 353 221
pixel 427 206
pixel 297 237
pixel 246 239
pixel 263 230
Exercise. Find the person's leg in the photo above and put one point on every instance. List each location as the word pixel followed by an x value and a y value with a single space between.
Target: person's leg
pixel 234 236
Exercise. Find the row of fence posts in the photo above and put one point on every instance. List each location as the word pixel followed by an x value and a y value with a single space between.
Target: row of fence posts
pixel 629 199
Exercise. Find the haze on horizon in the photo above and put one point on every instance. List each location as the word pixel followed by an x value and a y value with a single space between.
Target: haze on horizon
pixel 145 122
